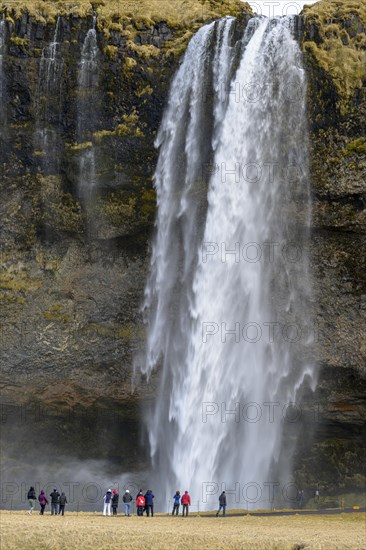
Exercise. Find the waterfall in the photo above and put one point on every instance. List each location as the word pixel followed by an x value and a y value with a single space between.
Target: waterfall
pixel 51 62
pixel 87 113
pixel 49 99
pixel 2 76
pixel 228 291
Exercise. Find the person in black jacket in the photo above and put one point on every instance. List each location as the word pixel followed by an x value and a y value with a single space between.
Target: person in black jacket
pixel 55 495
pixel 222 504
pixel 127 499
pixel 115 499
pixel 149 502
pixel 63 501
pixel 31 499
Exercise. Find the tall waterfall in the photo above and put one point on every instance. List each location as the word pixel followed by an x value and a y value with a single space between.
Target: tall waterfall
pixel 227 299
pixel 87 112
pixel 49 102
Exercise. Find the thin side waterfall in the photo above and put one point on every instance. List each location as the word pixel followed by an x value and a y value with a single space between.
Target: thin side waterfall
pixel 49 101
pixel 227 299
pixel 51 61
pixel 2 76
pixel 87 113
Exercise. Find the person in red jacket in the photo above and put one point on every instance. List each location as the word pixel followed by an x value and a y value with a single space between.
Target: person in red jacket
pixel 186 501
pixel 140 504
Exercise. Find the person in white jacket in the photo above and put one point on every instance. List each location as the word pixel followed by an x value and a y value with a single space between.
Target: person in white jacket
pixel 107 503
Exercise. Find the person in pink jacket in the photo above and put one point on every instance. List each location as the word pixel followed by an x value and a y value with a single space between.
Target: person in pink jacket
pixel 42 499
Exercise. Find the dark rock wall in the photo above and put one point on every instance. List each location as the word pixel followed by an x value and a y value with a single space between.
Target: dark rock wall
pixel 337 120
pixel 73 271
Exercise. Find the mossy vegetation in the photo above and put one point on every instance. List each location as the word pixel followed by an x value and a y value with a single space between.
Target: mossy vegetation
pixel 129 63
pixel 148 207
pixel 127 333
pixel 357 146
pixel 114 14
pixel 180 44
pixel 144 52
pixel 57 313
pixel 111 51
pixel 129 18
pixel 80 146
pixel 15 284
pixel 60 209
pixel 338 42
pixel 144 91
pixel 130 127
pixel 335 58
pixel 17 41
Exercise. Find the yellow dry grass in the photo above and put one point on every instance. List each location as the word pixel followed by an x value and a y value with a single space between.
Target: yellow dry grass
pixel 92 531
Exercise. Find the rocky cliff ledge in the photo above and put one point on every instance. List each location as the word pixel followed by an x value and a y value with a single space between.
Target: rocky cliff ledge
pixel 73 269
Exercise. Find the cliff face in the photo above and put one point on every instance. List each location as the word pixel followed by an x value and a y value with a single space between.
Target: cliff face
pixel 334 45
pixel 83 99
pixel 77 211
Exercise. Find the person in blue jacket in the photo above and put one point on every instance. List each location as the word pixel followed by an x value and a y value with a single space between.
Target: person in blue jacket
pixel 149 502
pixel 176 503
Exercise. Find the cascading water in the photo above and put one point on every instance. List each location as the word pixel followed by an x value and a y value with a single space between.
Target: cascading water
pixel 51 62
pixel 239 110
pixel 49 102
pixel 2 79
pixel 87 111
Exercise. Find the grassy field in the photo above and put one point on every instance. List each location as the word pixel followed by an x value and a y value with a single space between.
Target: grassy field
pixel 93 531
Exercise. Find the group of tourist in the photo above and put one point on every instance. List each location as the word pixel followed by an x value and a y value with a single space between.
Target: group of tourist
pixel 144 502
pixel 58 501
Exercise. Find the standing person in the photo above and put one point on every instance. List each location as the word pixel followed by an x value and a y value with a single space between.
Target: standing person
pixel 42 499
pixel 63 502
pixel 31 496
pixel 149 502
pixel 222 504
pixel 107 500
pixel 127 499
pixel 176 502
pixel 55 495
pixel 115 499
pixel 186 501
pixel 140 503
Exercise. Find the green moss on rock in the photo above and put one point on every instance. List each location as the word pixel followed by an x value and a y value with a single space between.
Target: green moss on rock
pixel 113 14
pixel 335 38
pixel 357 146
pixel 60 209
